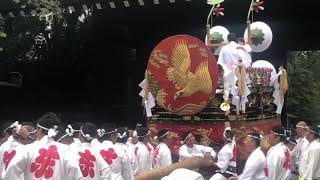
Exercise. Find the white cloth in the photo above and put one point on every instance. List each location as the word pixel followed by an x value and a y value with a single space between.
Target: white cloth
pixel 278 162
pixel 184 174
pixel 143 155
pixel 227 157
pixel 244 54
pixel 301 147
pixel 129 152
pixel 84 162
pixel 254 168
pixel 95 142
pixel 186 152
pixel 228 57
pixel 32 160
pixel 161 156
pixel 310 166
pixel 7 152
pixel 150 100
pixel 76 143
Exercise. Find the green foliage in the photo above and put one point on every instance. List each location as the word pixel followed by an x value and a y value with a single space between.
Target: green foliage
pixel 304 85
pixel 257 36
pixel 217 37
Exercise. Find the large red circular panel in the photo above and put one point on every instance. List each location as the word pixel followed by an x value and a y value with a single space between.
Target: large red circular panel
pixel 182 74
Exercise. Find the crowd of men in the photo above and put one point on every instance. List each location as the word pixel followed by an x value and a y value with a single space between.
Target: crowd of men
pixel 84 152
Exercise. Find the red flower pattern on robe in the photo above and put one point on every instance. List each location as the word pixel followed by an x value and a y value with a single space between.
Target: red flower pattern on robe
pixel 149 148
pixel 234 153
pixel 45 162
pixel 109 155
pixel 86 163
pixel 287 160
pixel 7 157
pixel 266 172
pixel 136 151
pixel 155 156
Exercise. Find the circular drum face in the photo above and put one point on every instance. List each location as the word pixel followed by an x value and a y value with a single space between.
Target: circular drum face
pixel 182 74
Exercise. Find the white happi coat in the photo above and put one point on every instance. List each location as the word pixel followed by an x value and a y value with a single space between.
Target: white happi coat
pixel 119 162
pixel 226 158
pixel 310 166
pixel 244 55
pixel 40 160
pixel 300 149
pixel 7 153
pixel 228 58
pixel 130 152
pixel 85 163
pixel 186 152
pixel 143 155
pixel 278 162
pixel 254 168
pixel 161 156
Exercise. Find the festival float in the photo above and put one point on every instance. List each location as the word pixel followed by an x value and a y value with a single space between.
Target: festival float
pixel 183 85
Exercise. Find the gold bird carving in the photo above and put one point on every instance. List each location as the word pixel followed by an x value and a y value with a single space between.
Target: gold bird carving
pixel 185 81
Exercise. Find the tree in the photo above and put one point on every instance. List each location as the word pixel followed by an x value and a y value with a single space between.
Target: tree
pixel 303 93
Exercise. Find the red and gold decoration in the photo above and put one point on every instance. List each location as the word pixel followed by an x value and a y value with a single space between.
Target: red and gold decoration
pixel 182 74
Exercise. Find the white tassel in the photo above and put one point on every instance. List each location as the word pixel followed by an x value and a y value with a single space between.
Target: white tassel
pixel 53 132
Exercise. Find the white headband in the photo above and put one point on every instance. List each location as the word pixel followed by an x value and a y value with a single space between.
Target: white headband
pixel 278 133
pixel 317 133
pixel 255 137
pixel 15 124
pixel 87 136
pixel 145 134
pixel 122 135
pixel 69 132
pixel 102 132
pixel 156 137
pixel 298 126
pixel 182 142
pixel 52 132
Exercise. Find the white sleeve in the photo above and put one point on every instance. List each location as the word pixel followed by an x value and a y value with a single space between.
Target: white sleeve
pixel 251 167
pixel 127 172
pixel 18 165
pixel 183 153
pixel 206 149
pixel 165 158
pixel 311 159
pixel 142 158
pixel 223 160
pixel 274 162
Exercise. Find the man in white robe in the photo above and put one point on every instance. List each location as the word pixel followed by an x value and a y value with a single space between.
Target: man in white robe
pixel 42 159
pixel 309 168
pixel 302 145
pixel 254 167
pixel 244 52
pixel 115 155
pixel 189 149
pixel 279 156
pixel 143 150
pixel 8 149
pixel 228 58
pixel 162 153
pixel 84 162
pixel 227 157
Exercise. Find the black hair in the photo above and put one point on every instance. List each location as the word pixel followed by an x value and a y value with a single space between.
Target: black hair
pixel 315 129
pixel 184 136
pixel 228 135
pixel 124 133
pixel 280 130
pixel 255 137
pixel 48 120
pixel 91 129
pixel 240 39
pixel 232 37
pixel 7 129
pixel 108 127
pixel 141 133
pixel 161 134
